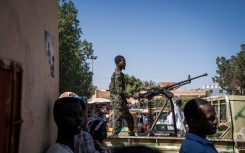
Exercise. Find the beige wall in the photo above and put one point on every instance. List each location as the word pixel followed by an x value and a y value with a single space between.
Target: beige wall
pixel 22 27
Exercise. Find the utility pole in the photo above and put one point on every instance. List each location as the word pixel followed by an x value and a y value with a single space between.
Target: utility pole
pixel 93 58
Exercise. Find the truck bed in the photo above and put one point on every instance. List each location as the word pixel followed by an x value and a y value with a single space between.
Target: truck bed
pixel 164 144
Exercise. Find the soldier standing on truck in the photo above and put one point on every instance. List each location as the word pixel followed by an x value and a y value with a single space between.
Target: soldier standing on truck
pixel 118 97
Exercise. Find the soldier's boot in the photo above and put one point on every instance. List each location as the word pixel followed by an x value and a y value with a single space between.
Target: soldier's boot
pixel 131 133
pixel 115 134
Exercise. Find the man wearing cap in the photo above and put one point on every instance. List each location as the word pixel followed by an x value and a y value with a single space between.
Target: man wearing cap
pixel 97 128
pixel 68 116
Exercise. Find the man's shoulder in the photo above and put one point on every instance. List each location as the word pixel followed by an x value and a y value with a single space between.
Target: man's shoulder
pixel 58 148
pixel 117 71
pixel 117 74
pixel 190 146
pixel 188 142
pixel 84 136
pixel 195 144
pixel 191 137
pixel 84 133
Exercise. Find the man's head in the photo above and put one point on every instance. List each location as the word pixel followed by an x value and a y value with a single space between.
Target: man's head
pixel 120 62
pixel 83 100
pixel 97 127
pixel 201 117
pixel 178 102
pixel 68 115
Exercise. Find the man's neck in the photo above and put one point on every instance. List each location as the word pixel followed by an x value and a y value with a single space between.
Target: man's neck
pixel 198 133
pixel 67 140
pixel 120 69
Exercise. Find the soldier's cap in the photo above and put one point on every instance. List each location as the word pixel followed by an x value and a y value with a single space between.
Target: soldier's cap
pixel 72 95
pixel 94 123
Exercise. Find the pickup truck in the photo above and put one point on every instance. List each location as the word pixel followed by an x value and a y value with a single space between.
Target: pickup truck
pixel 230 136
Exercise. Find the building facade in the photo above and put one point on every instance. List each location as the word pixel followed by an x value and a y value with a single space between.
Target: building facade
pixel 29 78
pixel 214 90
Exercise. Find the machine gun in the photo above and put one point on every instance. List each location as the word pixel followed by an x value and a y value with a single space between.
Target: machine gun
pixel 150 93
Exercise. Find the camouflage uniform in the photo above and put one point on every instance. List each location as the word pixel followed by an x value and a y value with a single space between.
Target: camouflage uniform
pixel 118 97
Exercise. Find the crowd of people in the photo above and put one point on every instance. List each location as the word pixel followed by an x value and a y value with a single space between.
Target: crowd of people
pixel 78 133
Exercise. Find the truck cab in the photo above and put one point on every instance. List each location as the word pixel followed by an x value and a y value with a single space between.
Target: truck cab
pixel 231 120
pixel 230 136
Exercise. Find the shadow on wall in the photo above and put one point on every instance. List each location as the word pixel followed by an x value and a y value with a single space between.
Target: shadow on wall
pixel 49 128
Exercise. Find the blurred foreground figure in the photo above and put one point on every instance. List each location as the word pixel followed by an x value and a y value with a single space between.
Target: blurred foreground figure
pixel 202 121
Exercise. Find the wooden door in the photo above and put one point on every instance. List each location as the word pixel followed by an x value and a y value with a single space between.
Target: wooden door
pixel 10 106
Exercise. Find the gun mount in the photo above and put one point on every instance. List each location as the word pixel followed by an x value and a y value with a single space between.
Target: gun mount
pixel 166 92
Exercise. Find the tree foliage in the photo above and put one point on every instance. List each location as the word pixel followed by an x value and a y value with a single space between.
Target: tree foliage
pixel 149 84
pixel 231 73
pixel 74 70
pixel 133 84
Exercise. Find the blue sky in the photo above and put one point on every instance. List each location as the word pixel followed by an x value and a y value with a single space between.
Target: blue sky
pixel 162 40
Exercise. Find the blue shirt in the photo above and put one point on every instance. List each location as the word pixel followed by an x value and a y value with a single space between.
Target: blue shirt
pixel 196 144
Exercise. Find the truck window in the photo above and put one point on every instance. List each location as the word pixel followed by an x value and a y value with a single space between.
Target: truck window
pixel 222 112
pixel 216 108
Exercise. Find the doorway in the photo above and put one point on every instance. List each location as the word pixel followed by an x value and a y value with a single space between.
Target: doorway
pixel 10 106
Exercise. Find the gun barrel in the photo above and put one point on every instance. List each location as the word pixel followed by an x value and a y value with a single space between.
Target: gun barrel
pixel 205 74
pixel 156 91
pixel 188 81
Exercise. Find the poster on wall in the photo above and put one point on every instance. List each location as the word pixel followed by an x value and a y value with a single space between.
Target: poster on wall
pixel 49 51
